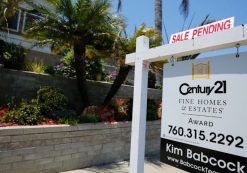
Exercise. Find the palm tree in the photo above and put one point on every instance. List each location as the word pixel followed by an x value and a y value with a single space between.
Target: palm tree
pixel 124 69
pixel 184 9
pixel 125 46
pixel 76 25
pixel 158 16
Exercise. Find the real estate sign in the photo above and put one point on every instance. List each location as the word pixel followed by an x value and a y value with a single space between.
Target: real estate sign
pixel 204 121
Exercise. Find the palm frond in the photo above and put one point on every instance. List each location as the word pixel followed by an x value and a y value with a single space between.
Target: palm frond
pixel 184 8
pixel 119 5
pixel 205 21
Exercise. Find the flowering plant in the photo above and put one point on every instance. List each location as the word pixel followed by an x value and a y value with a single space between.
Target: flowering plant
pixel 3 110
pixel 65 70
pixel 121 108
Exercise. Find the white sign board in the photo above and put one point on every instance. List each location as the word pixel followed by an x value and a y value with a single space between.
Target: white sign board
pixel 203 30
pixel 204 115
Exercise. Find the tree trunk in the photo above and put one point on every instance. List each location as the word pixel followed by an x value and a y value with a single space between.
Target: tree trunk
pixel 122 74
pixel 80 67
pixel 158 16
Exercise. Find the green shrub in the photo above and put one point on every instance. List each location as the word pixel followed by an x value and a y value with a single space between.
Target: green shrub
pixel 152 109
pixel 64 70
pixel 49 70
pixel 95 69
pixel 51 99
pixel 89 118
pixel 66 67
pixel 26 114
pixel 68 120
pixel 10 102
pixel 36 67
pixel 11 55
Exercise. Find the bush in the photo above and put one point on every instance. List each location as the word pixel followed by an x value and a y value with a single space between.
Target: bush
pixel 5 101
pixel 49 70
pixel 65 70
pixel 36 67
pixel 152 110
pixel 89 118
pixel 67 66
pixel 26 114
pixel 3 111
pixel 11 55
pixel 68 120
pixel 121 109
pixel 95 69
pixel 51 99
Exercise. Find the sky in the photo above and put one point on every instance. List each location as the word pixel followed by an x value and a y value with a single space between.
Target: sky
pixel 137 12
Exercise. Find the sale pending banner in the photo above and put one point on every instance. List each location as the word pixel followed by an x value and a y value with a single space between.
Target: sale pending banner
pixel 204 118
pixel 203 30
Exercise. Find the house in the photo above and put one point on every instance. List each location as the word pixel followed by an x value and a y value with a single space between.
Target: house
pixel 20 22
pixel 15 29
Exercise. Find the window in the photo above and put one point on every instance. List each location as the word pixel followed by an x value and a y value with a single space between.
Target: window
pixel 28 19
pixel 14 21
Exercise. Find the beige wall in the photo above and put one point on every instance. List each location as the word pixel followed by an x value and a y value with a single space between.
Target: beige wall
pixel 51 149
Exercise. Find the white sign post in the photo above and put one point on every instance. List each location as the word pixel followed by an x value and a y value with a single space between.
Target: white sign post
pixel 139 109
pixel 220 40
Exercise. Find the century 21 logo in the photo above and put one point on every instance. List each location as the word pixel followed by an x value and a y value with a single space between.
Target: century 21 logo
pixel 219 87
pixel 202 70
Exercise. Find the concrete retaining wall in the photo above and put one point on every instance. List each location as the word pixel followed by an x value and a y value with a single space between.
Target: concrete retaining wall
pixel 51 149
pixel 21 85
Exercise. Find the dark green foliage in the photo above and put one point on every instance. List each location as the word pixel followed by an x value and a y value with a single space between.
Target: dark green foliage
pixel 11 55
pixel 26 114
pixel 68 120
pixel 152 109
pixel 49 70
pixel 130 108
pixel 89 118
pixel 6 101
pixel 93 68
pixel 50 99
pixel 151 80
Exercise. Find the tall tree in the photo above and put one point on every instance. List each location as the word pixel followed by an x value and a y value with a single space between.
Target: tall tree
pixel 158 16
pixel 184 9
pixel 124 69
pixel 124 46
pixel 76 25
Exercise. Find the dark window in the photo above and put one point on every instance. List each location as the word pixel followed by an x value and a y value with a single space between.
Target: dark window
pixel 13 22
pixel 28 20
